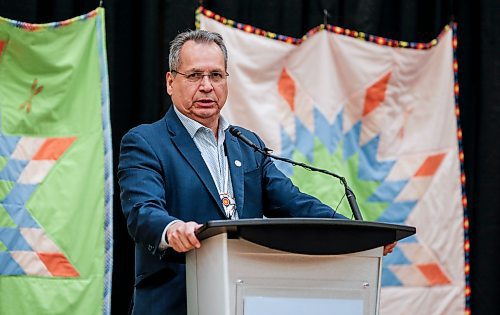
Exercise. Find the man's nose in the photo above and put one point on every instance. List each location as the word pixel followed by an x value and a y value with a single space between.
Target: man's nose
pixel 206 84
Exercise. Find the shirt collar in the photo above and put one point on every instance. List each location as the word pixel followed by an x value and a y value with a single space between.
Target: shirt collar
pixel 192 126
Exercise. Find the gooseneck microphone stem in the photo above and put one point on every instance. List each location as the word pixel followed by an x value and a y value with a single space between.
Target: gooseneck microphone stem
pixel 351 198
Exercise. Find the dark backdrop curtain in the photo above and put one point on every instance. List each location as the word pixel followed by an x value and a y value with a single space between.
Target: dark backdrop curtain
pixel 138 34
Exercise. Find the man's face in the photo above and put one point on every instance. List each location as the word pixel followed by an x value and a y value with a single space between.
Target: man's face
pixel 201 100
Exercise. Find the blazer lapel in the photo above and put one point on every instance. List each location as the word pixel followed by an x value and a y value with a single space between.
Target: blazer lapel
pixel 234 159
pixel 186 146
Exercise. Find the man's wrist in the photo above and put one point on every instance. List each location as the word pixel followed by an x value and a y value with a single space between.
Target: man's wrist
pixel 164 236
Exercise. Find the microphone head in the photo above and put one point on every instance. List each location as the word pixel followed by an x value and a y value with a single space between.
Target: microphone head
pixel 234 131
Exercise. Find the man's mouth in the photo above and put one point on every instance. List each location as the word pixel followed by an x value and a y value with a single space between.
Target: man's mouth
pixel 205 101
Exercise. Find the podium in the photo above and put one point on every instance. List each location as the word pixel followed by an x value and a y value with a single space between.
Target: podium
pixel 288 266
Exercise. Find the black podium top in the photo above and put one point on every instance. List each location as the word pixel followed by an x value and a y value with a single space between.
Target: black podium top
pixel 310 236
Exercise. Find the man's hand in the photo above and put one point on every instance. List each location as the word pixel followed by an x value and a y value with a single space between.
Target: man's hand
pixel 389 248
pixel 181 237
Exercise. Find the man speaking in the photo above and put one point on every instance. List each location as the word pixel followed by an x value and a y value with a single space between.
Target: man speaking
pixel 186 169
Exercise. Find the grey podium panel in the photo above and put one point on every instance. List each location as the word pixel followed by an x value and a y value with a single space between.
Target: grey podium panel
pixel 237 277
pixel 288 266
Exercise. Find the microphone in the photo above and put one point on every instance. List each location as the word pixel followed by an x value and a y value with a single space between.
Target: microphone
pixel 235 132
pixel 351 198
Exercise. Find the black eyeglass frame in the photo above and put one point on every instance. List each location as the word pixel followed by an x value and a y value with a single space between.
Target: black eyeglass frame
pixel 198 76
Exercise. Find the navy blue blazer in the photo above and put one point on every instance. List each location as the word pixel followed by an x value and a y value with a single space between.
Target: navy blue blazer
pixel 163 177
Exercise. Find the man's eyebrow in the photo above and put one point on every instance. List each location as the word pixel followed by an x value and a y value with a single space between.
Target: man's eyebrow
pixel 201 70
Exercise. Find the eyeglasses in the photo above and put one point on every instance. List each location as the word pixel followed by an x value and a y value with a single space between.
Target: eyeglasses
pixel 195 77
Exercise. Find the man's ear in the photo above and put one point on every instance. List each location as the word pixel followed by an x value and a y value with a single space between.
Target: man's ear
pixel 169 81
